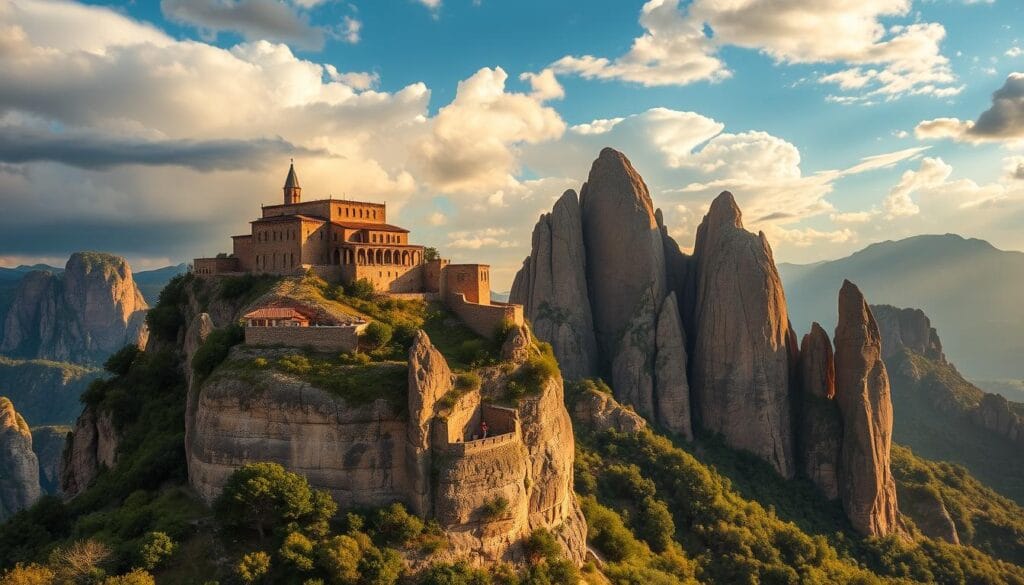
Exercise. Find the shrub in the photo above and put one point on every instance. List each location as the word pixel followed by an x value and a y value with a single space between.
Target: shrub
pixel 541 544
pixel 136 577
pixel 264 497
pixel 377 334
pixel 253 567
pixel 298 551
pixel 380 567
pixel 361 289
pixel 156 548
pixel 295 364
pixel 459 573
pixel 354 358
pixel 395 525
pixel 339 558
pixel 494 508
pixel 215 349
pixel 532 375
pixel 27 575
pixel 467 382
pixel 119 363
pixel 80 561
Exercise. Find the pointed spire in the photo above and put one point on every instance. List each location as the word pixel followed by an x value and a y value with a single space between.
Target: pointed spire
pixel 292 190
pixel 293 179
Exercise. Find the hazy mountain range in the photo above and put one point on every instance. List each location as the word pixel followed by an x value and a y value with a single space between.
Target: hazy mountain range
pixel 970 289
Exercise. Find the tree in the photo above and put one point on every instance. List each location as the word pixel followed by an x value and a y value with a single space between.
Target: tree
pixel 380 567
pixel 361 289
pixel 395 525
pixel 430 254
pixel 377 334
pixel 264 497
pixel 339 558
pixel 80 561
pixel 136 577
pixel 253 567
pixel 156 547
pixel 27 575
pixel 298 550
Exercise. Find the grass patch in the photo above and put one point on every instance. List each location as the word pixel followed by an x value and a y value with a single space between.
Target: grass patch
pixel 530 378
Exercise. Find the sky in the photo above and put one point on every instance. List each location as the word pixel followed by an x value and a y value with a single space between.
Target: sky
pixel 156 129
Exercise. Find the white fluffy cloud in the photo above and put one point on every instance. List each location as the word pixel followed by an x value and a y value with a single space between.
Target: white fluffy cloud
pixel 875 60
pixel 253 19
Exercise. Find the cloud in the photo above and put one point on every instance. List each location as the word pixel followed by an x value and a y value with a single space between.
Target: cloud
pixel 471 144
pixel 544 84
pixel 675 48
pixel 672 51
pixel 253 19
pixel 350 30
pixel 92 150
pixel 1014 52
pixel 1003 121
pixel 932 173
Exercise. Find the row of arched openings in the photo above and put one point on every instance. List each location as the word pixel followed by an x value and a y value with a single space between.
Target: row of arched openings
pixel 376 256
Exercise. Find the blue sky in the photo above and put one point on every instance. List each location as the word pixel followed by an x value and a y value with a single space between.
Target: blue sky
pixel 218 94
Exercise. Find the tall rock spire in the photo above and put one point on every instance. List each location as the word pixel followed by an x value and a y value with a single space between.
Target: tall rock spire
pixel 742 353
pixel 866 484
pixel 820 428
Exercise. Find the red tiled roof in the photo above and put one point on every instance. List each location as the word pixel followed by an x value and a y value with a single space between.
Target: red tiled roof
pixel 364 225
pixel 276 313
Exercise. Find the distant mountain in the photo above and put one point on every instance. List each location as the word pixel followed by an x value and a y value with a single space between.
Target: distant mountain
pixel 17 273
pixel 971 290
pixel 151 282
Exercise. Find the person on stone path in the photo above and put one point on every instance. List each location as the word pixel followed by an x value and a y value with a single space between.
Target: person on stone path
pixel 483 428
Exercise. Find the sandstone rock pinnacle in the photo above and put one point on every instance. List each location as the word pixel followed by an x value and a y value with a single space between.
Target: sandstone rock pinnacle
pixel 19 467
pixel 741 355
pixel 820 431
pixel 866 484
pixel 429 380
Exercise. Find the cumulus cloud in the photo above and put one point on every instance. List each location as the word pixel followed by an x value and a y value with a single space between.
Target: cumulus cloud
pixel 932 172
pixel 672 51
pixel 1003 121
pixel 878 61
pixel 471 144
pixel 253 19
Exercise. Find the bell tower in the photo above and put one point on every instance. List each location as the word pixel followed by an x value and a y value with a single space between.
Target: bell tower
pixel 292 190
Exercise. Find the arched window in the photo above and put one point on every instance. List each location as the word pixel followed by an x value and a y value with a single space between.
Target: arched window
pixel 379 257
pixel 361 257
pixel 337 256
pixel 387 256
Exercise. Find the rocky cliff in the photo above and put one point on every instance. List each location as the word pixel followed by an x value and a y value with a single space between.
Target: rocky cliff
pixel 48 444
pixel 82 315
pixel 552 287
pixel 820 429
pixel 607 254
pixel 91 447
pixel 866 484
pixel 907 329
pixel 744 346
pixel 19 467
pixel 46 392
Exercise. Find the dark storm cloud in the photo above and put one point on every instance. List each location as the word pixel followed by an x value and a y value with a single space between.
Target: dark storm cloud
pixel 176 240
pixel 1005 119
pixel 253 19
pixel 94 151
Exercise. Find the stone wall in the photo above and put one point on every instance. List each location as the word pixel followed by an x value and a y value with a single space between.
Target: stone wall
pixel 432 275
pixel 344 338
pixel 243 249
pixel 389 277
pixel 214 266
pixel 470 280
pixel 484 319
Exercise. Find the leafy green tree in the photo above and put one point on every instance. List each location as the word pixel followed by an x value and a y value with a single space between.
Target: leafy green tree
pixel 135 577
pixel 119 363
pixel 459 573
pixel 253 567
pixel 655 524
pixel 297 550
pixel 395 525
pixel 430 254
pixel 380 567
pixel 156 548
pixel 339 558
pixel 377 334
pixel 28 575
pixel 264 497
pixel 361 289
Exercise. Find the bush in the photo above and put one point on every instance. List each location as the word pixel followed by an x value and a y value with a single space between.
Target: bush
pixel 156 548
pixel 380 567
pixel 361 289
pixel 459 573
pixel 541 544
pixel 27 575
pixel 394 525
pixel 494 509
pixel 253 567
pixel 339 558
pixel 533 374
pixel 377 334
pixel 119 363
pixel 215 349
pixel 298 551
pixel 264 497
pixel 136 577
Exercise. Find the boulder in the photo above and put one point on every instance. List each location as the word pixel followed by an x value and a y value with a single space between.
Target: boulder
pixel 866 485
pixel 552 287
pixel 742 350
pixel 19 467
pixel 820 431
pixel 600 412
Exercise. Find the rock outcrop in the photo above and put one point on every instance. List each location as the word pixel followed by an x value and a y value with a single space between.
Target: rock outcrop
pixel 429 380
pixel 552 287
pixel 599 411
pixel 821 428
pixel 907 328
pixel 926 509
pixel 994 413
pixel 866 485
pixel 597 278
pixel 742 350
pixel 19 467
pixel 83 315
pixel 91 447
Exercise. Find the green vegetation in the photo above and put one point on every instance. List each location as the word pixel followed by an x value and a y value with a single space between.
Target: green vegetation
pixel 983 518
pixel 465 382
pixel 377 334
pixel 361 289
pixel 215 349
pixel 494 509
pixel 245 288
pixel 165 319
pixel 531 376
pixel 43 391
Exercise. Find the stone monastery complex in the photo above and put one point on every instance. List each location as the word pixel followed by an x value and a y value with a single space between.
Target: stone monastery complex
pixel 344 241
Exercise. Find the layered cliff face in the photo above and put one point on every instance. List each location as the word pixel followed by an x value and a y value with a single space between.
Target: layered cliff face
pixel 907 328
pixel 48 444
pixel 416 449
pixel 19 467
pixel 598 272
pixel 820 429
pixel 83 315
pixel 743 343
pixel 866 484
pixel 552 287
